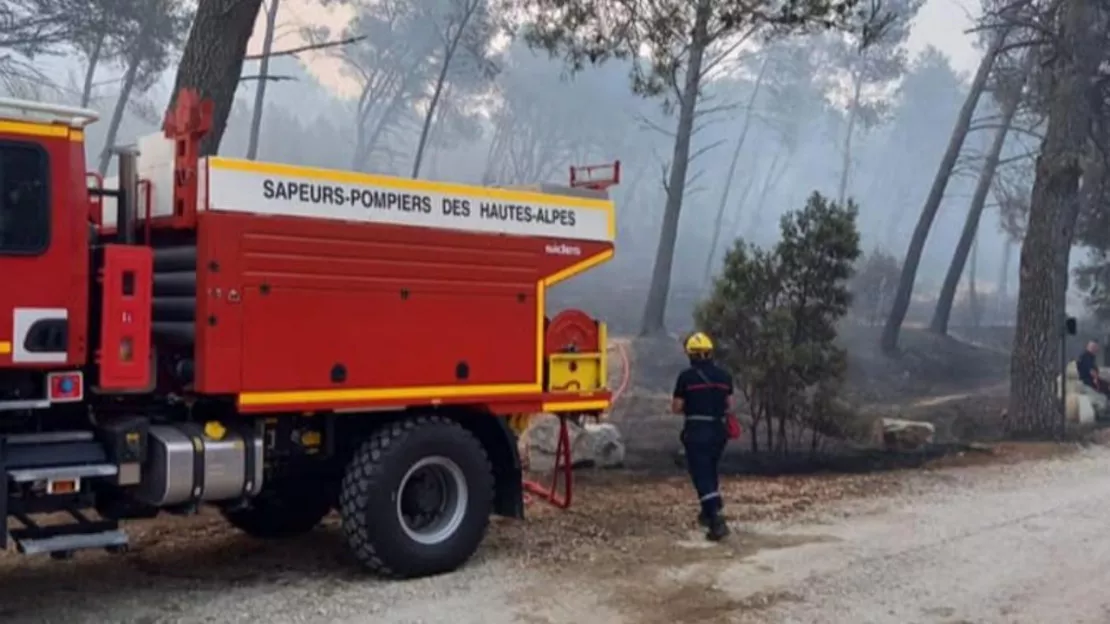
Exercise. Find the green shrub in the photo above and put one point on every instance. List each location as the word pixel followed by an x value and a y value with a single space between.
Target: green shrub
pixel 773 315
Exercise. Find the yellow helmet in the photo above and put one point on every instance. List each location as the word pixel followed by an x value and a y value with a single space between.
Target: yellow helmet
pixel 699 344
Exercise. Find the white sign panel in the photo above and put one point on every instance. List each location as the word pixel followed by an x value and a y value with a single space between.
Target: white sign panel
pixel 234 187
pixel 154 166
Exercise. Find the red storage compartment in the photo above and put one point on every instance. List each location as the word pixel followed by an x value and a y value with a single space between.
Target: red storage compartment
pixel 123 355
pixel 303 312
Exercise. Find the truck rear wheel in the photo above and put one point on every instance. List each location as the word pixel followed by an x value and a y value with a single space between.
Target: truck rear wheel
pixel 284 509
pixel 416 498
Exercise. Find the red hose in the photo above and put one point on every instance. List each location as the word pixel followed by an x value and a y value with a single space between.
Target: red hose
pixel 563 461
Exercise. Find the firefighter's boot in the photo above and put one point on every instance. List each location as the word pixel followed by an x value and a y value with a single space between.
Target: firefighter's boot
pixel 705 520
pixel 718 529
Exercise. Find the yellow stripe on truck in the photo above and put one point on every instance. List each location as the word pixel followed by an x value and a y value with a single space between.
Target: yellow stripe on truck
pixel 21 128
pixel 431 393
pixel 575 406
pixel 5 347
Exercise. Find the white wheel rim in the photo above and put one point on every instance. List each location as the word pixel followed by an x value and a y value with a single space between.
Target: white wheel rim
pixel 432 511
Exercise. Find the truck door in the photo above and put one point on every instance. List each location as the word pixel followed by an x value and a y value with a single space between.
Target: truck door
pixel 40 258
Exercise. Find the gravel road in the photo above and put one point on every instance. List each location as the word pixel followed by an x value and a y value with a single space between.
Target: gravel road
pixel 1012 543
pixel 1025 543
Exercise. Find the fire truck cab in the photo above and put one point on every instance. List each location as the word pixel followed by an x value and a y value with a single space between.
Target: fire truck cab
pixel 279 342
pixel 43 238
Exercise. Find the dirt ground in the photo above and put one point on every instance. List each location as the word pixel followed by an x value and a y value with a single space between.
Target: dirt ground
pixel 620 521
pixel 628 551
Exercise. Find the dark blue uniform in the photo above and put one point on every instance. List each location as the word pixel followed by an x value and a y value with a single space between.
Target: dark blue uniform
pixel 704 389
pixel 1085 365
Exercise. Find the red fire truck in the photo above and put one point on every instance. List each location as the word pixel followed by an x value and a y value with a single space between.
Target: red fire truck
pixel 277 341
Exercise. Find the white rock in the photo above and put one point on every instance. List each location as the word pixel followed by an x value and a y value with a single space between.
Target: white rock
pixel 906 435
pixel 606 446
pixel 598 445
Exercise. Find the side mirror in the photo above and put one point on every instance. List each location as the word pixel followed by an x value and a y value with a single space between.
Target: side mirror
pixel 1070 326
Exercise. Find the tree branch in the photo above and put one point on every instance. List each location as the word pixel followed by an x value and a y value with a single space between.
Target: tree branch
pixel 705 149
pixel 271 77
pixel 306 48
pixel 651 125
pixel 1018 158
pixel 715 109
pixel 993 126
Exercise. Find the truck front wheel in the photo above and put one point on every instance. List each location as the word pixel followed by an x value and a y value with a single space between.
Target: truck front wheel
pixel 416 498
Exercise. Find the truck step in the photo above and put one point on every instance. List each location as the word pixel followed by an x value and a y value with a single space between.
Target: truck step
pixel 56 473
pixel 50 437
pixel 64 545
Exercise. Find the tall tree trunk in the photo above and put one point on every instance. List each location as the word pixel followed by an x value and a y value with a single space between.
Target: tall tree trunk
pixel 263 78
pixel 1003 312
pixel 972 289
pixel 741 202
pixel 448 55
pixel 436 134
pixel 1054 205
pixel 880 303
pixel 732 169
pixel 846 158
pixel 771 179
pixel 901 303
pixel 656 307
pixel 631 198
pixel 371 142
pixel 975 212
pixel 365 145
pixel 90 71
pixel 496 149
pixel 117 113
pixel 212 61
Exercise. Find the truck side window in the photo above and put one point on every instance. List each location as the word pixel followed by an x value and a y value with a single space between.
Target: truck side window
pixel 24 199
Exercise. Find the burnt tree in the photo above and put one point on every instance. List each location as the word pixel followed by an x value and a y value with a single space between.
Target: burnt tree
pixel 1010 103
pixel 901 304
pixel 1054 207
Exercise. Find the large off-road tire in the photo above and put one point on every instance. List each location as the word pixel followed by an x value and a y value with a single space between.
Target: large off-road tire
pixel 283 509
pixel 416 498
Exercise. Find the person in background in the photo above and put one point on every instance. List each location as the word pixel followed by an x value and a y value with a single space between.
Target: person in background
pixel 1087 367
pixel 703 395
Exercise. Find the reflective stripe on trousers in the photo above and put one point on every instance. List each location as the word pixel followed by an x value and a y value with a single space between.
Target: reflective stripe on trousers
pixel 704 438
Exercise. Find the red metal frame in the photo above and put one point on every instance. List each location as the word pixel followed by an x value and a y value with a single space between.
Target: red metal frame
pixel 96 204
pixel 186 125
pixel 600 184
pixel 564 468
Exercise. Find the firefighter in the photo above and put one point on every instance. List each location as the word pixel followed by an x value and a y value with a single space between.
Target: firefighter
pixel 703 395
